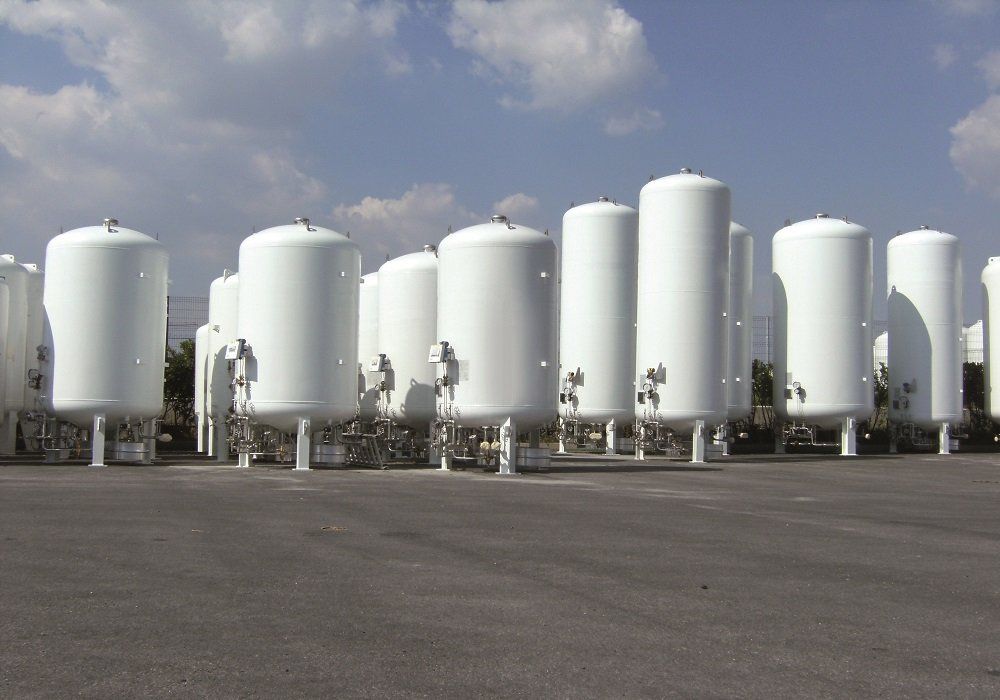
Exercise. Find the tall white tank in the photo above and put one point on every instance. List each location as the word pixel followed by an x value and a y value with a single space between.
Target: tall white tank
pixel 497 307
pixel 201 358
pixel 407 327
pixel 4 316
pixel 991 342
pixel 597 312
pixel 822 305
pixel 298 310
pixel 368 347
pixel 34 335
pixel 739 377
pixel 223 315
pixel 681 326
pixel 924 278
pixel 16 277
pixel 106 324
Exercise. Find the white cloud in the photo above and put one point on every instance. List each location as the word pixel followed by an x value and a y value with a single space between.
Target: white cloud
pixel 555 55
pixel 943 56
pixel 990 66
pixel 423 214
pixel 642 119
pixel 173 118
pixel 975 147
pixel 969 8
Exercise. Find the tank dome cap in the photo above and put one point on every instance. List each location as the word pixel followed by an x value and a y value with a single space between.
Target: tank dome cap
pixel 925 227
pixel 685 171
pixel 302 220
pixel 603 198
pixel 498 219
pixel 430 248
pixel 822 215
pixel 109 224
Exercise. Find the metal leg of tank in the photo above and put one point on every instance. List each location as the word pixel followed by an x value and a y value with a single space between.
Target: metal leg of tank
pixel 508 447
pixel 210 428
pixel 698 442
pixel 944 439
pixel 848 437
pixel 8 434
pixel 221 441
pixel 302 444
pixel 97 442
pixel 149 442
pixel 610 438
pixel 201 433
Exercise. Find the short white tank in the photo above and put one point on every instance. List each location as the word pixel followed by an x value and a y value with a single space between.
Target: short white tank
pixel 497 306
pixel 34 335
pixel 924 278
pixel 739 378
pixel 407 327
pixel 201 359
pixel 298 310
pixel 681 326
pixel 822 305
pixel 991 335
pixel 223 323
pixel 16 277
pixel 368 347
pixel 4 314
pixel 597 312
pixel 106 323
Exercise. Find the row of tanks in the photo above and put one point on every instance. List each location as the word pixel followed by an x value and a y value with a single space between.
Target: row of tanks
pixel 453 352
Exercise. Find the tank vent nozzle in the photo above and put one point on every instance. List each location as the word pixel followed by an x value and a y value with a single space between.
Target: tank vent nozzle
pixel 602 198
pixel 685 171
pixel 821 215
pixel 430 248
pixel 302 220
pixel 498 219
pixel 925 227
pixel 109 224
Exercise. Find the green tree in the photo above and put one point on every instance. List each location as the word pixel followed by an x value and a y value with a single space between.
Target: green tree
pixel 762 394
pixel 178 384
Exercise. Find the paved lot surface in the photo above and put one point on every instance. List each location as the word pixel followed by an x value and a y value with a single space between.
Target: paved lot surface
pixel 753 577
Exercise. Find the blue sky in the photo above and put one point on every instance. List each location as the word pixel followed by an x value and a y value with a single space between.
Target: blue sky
pixel 199 122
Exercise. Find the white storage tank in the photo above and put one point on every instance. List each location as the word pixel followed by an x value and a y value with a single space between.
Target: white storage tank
pixel 739 378
pixel 4 315
pixel 822 305
pixel 681 327
pixel 924 278
pixel 407 327
pixel 368 347
pixel 201 355
pixel 497 308
pixel 298 311
pixel 105 329
pixel 991 342
pixel 34 335
pixel 16 277
pixel 597 314
pixel 223 315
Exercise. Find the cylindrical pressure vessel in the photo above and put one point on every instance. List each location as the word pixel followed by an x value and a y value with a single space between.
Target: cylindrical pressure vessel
pixel 991 340
pixel 368 347
pixel 4 317
pixel 681 327
pixel 739 378
pixel 924 277
pixel 497 302
pixel 223 315
pixel 407 327
pixel 298 311
pixel 822 277
pixel 34 335
pixel 106 324
pixel 16 277
pixel 201 359
pixel 597 312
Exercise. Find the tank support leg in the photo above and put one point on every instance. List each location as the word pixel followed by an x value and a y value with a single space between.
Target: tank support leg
pixel 303 442
pixel 508 447
pixel 944 439
pixel 201 433
pixel 698 442
pixel 221 441
pixel 610 438
pixel 97 441
pixel 149 442
pixel 848 437
pixel 210 429
pixel 8 434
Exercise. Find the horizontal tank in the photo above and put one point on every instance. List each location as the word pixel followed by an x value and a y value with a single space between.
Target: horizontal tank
pixel 106 323
pixel 368 347
pixel 16 277
pixel 298 310
pixel 991 342
pixel 223 315
pixel 924 278
pixel 739 377
pixel 597 312
pixel 407 327
pixel 497 302
pixel 681 328
pixel 822 305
